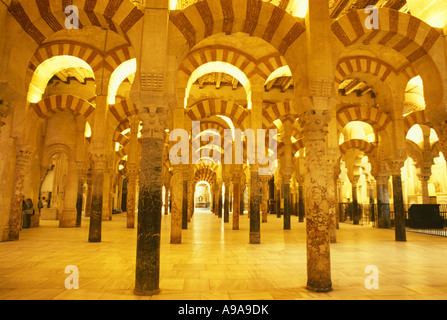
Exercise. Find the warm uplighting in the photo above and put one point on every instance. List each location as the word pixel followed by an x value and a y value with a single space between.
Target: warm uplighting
pixel 125 70
pixel 50 67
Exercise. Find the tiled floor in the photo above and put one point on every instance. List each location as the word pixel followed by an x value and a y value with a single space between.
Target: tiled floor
pixel 216 263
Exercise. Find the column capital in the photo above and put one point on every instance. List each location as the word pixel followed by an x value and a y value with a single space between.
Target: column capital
pixel 315 124
pixel 154 124
pixel 395 166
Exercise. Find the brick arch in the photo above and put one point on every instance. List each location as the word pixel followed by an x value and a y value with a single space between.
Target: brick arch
pixel 296 146
pixel 358 144
pixel 373 116
pixel 118 136
pixel 405 33
pixel 52 104
pixel 374 66
pixel 41 19
pixel 205 174
pixel 213 107
pixel 280 110
pixel 244 62
pixel 414 118
pixel 208 17
pixel 97 59
pixel 123 110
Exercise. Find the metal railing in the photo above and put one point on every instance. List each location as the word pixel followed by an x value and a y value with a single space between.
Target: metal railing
pixel 427 219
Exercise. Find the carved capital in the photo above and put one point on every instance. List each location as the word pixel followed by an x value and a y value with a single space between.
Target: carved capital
pixel 99 161
pixel 315 124
pixel 4 111
pixel 395 166
pixel 154 124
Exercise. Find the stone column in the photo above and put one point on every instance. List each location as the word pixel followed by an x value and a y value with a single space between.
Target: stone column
pixel 424 179
pixel 301 203
pixel 131 205
pixel 191 192
pixel 80 194
pixel 332 197
pixel 176 206
pixel 271 208
pixel 185 205
pixel 219 201
pixel 150 204
pixel 98 167
pixel 355 204
pixel 69 214
pixel 383 201
pixel 236 201
pixel 132 169
pixel 167 199
pixel 278 198
pixel 314 124
pixel 88 199
pixel 287 202
pixel 399 210
pixel 255 226
pixel 265 195
pixel 15 213
pixel 227 200
pixel 242 199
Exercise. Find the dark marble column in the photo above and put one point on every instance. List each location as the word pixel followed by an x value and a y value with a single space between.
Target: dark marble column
pixel 399 210
pixel 355 204
pixel 271 208
pixel 131 195
pixel 236 203
pixel 147 274
pixel 88 199
pixel 227 202
pixel 185 205
pixel 99 165
pixel 383 202
pixel 79 198
pixel 287 206
pixel 278 203
pixel 242 200
pixel 176 206
pixel 301 205
pixel 255 219
pixel 219 210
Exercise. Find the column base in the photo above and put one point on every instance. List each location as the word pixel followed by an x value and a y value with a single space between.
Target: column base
pixel 319 287
pixel 140 292
pixel 255 237
pixel 68 219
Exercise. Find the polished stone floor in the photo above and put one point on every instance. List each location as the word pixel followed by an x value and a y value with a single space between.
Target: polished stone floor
pixel 217 263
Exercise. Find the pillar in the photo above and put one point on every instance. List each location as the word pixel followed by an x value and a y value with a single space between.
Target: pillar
pixel 287 202
pixel 176 205
pixel 265 197
pixel 301 203
pixel 317 207
pixel 355 204
pixel 424 179
pixel 132 181
pixel 398 200
pixel 227 200
pixel 255 226
pixel 80 194
pixel 383 201
pixel 68 216
pixel 147 273
pixel 166 202
pixel 185 205
pixel 88 198
pixel 15 213
pixel 236 201
pixel 99 165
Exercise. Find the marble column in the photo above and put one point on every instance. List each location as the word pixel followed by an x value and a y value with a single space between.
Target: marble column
pixel 176 206
pixel 301 203
pixel 15 213
pixel 398 199
pixel 236 202
pixel 219 202
pixel 99 165
pixel 88 198
pixel 332 198
pixel 287 202
pixel 80 194
pixel 424 179
pixel 68 216
pixel 255 225
pixel 383 201
pixel 166 204
pixel 314 124
pixel 147 273
pixel 265 197
pixel 278 199
pixel 185 205
pixel 191 191
pixel 271 208
pixel 227 201
pixel 242 199
pixel 355 203
pixel 132 182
